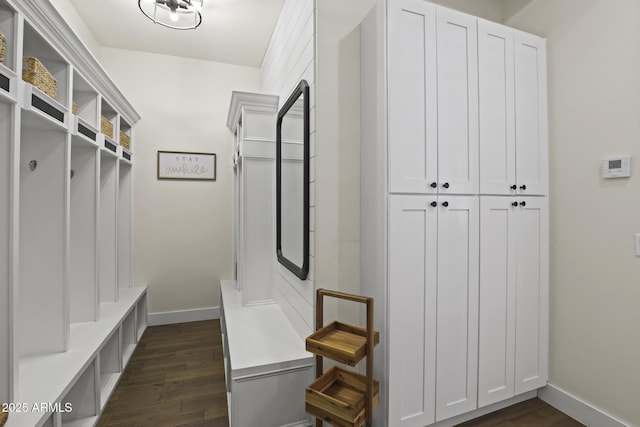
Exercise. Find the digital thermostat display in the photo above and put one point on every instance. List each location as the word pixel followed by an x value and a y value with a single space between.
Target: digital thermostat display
pixel 616 168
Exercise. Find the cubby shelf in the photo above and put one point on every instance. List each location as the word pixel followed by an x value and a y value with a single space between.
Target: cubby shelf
pixel 65 230
pixel 340 397
pixel 47 378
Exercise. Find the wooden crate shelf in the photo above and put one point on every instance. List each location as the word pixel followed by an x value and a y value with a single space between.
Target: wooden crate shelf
pixel 340 342
pixel 339 398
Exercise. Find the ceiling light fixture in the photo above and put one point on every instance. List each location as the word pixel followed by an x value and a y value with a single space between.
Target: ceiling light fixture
pixel 176 14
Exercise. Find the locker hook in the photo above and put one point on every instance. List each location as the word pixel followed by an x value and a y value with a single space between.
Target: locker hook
pixel 33 164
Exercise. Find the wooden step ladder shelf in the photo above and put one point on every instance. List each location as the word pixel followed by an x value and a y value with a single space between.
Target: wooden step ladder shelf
pixel 340 397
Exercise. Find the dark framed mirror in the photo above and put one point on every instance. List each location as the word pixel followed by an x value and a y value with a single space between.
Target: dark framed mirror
pixel 292 182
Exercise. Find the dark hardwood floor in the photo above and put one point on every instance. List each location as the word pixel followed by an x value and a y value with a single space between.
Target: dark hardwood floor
pixel 530 413
pixel 176 379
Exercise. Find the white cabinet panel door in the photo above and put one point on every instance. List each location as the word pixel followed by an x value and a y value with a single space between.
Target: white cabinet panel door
pixel 496 109
pixel 497 299
pixel 457 62
pixel 457 302
pixel 413 129
pixel 412 309
pixel 531 114
pixel 532 290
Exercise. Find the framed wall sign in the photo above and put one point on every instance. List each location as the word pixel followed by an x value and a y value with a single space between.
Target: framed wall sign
pixel 183 165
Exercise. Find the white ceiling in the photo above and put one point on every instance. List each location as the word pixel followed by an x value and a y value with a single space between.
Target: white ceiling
pixel 232 31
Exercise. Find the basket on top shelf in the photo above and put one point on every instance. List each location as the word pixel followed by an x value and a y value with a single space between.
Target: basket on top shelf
pixel 125 140
pixel 106 127
pixel 35 73
pixel 340 397
pixel 3 418
pixel 3 50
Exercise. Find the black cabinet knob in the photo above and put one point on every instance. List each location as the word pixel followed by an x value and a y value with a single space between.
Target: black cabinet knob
pixel 514 204
pixel 514 187
pixel 445 204
pixel 445 185
pixel 434 184
pixel 433 204
pixel 523 203
pixel 523 187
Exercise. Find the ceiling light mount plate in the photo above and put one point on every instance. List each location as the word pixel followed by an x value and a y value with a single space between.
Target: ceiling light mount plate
pixel 175 14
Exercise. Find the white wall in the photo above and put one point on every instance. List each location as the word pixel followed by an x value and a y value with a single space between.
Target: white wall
pixel 290 58
pixel 594 106
pixel 182 241
pixel 69 13
pixel 338 151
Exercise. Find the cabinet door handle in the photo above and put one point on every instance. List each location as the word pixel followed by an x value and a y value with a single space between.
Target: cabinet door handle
pixel 445 185
pixel 514 204
pixel 523 203
pixel 433 204
pixel 434 184
pixel 445 204
pixel 514 187
pixel 523 187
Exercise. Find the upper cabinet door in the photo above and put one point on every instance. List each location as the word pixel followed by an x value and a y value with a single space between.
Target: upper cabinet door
pixel 531 114
pixel 413 105
pixel 457 303
pixel 413 254
pixel 496 109
pixel 457 62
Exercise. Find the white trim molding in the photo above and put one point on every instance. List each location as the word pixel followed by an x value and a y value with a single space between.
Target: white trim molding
pixel 183 316
pixel 578 409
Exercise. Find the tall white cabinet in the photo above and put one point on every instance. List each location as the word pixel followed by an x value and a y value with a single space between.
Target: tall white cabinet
pixel 454 183
pixel 69 316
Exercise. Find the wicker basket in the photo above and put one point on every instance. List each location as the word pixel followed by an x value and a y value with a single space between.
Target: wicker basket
pixel 35 73
pixel 125 140
pixel 3 418
pixel 74 108
pixel 106 127
pixel 3 44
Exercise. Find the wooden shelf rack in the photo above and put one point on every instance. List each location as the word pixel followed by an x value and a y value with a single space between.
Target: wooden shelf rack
pixel 340 397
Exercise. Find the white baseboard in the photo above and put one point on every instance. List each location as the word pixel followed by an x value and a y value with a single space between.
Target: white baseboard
pixel 183 316
pixel 582 411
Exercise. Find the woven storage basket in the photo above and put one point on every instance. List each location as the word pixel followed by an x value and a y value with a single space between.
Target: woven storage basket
pixel 74 108
pixel 106 127
pixel 3 418
pixel 125 140
pixel 3 44
pixel 35 73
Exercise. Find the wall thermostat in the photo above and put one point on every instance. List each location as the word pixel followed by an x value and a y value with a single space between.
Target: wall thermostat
pixel 619 167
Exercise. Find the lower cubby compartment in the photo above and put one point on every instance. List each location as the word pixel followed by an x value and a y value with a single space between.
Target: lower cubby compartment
pixel 338 397
pixel 141 318
pixel 128 336
pixel 110 368
pixel 80 406
pixel 58 378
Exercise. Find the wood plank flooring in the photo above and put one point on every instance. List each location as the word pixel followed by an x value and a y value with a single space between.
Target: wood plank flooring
pixel 176 379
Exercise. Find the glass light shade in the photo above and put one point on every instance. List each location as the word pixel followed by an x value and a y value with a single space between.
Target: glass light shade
pixel 175 14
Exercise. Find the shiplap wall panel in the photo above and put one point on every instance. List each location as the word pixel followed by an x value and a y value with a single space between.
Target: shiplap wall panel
pixel 290 57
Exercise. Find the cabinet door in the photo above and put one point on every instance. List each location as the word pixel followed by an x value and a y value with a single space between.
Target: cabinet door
pixel 412 309
pixel 412 113
pixel 457 302
pixel 496 109
pixel 497 299
pixel 457 63
pixel 532 290
pixel 531 114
